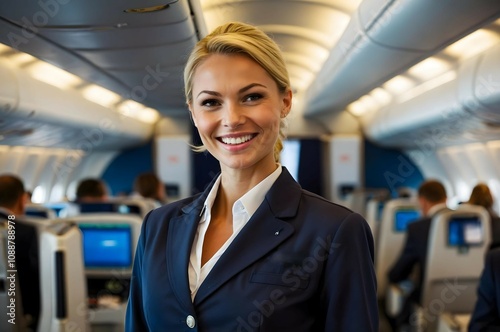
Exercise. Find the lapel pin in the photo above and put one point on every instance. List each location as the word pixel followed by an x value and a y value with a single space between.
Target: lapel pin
pixel 277 233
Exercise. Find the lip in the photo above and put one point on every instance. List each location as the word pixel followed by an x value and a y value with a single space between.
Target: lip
pixel 239 146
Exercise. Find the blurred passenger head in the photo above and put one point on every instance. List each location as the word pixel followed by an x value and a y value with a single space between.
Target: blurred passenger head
pixel 481 195
pixel 241 39
pixel 12 194
pixel 431 193
pixel 148 185
pixel 91 190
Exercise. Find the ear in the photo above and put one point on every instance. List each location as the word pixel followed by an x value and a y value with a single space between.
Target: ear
pixel 191 114
pixel 287 103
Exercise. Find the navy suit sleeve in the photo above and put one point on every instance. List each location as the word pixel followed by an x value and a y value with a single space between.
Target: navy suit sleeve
pixel 350 302
pixel 486 312
pixel 135 318
pixel 406 261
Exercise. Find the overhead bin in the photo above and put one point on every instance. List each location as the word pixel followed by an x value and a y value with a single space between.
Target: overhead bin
pixel 35 113
pixel 466 109
pixel 384 38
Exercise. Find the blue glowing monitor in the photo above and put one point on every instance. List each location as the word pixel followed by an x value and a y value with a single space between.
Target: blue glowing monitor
pixel 107 245
pixel 465 231
pixel 404 217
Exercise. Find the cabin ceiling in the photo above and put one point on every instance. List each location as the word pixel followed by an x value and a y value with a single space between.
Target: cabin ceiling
pixel 336 50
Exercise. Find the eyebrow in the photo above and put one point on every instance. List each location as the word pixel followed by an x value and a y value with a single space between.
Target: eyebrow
pixel 245 88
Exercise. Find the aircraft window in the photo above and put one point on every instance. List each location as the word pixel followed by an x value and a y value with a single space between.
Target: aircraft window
pixel 106 245
pixel 38 195
pixel 402 218
pixel 465 232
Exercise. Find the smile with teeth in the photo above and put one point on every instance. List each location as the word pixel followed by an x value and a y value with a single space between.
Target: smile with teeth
pixel 236 140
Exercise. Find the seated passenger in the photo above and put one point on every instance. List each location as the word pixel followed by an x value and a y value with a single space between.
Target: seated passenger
pixel 432 199
pixel 486 315
pixel 91 191
pixel 481 195
pixel 148 185
pixel 12 202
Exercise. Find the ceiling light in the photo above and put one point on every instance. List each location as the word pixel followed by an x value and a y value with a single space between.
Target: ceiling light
pixel 362 106
pixel 4 48
pixel 53 75
pixel 130 108
pixel 428 85
pixel 100 95
pixel 381 96
pixel 148 115
pixel 398 84
pixel 429 68
pixel 472 44
pixel 21 59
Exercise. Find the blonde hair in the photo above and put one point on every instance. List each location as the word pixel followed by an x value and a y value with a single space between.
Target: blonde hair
pixel 244 39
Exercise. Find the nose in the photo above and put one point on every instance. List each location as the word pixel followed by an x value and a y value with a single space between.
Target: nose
pixel 233 116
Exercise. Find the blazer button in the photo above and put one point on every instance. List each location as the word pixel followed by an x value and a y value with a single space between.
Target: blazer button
pixel 190 321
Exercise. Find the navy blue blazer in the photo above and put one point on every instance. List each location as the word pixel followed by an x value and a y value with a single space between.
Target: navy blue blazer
pixel 486 315
pixel 301 263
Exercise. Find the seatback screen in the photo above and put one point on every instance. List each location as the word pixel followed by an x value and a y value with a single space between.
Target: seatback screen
pixel 403 217
pixel 107 245
pixel 465 231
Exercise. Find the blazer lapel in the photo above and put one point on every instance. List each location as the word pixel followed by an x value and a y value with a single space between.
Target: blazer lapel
pixel 181 233
pixel 263 232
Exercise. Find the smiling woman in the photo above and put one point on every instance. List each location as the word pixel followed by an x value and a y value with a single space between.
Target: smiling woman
pixel 295 260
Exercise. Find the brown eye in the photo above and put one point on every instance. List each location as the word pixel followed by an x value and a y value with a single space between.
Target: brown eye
pixel 253 97
pixel 210 103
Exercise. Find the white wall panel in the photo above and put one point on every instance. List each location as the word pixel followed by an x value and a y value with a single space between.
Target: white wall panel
pixel 173 163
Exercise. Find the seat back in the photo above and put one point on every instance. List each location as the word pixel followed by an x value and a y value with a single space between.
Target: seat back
pixel 109 242
pixel 12 319
pixel 133 206
pixel 40 211
pixel 458 242
pixel 391 236
pixel 63 285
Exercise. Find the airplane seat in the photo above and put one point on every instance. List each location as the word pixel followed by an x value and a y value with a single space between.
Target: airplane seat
pixel 63 209
pixel 63 287
pixel 109 241
pixel 40 211
pixel 458 242
pixel 138 205
pixel 10 294
pixel 374 208
pixel 396 215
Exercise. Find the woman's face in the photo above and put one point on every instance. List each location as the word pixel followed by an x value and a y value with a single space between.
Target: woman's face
pixel 237 109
